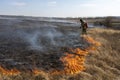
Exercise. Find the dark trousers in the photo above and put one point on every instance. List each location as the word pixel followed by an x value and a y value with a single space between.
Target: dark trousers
pixel 84 31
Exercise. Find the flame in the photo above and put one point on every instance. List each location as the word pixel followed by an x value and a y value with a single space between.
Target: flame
pixel 74 61
pixel 36 71
pixel 9 72
pixel 91 40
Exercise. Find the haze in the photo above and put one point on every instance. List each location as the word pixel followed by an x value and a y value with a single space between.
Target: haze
pixel 60 8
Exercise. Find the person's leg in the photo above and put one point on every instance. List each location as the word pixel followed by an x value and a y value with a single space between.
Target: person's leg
pixel 84 31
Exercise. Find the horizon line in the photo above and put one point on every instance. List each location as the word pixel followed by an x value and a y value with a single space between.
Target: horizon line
pixel 55 16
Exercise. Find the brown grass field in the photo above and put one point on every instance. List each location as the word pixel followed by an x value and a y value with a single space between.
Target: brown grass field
pixel 101 64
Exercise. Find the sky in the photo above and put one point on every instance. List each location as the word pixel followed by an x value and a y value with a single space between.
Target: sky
pixel 60 8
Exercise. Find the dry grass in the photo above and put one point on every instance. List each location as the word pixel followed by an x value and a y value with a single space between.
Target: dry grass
pixel 102 64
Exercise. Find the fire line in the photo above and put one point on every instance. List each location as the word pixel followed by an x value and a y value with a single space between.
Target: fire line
pixel 74 63
pixel 73 60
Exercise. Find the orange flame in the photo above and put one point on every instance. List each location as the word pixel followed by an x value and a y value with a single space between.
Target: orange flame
pixel 74 61
pixel 37 71
pixel 9 72
pixel 91 40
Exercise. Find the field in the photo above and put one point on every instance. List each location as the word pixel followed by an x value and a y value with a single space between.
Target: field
pixel 32 49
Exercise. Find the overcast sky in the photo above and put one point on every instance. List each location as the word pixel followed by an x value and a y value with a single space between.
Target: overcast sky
pixel 60 8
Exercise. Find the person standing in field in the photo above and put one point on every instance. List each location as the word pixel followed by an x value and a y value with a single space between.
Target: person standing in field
pixel 83 26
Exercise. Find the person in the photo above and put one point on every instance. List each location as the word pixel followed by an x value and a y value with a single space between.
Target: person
pixel 83 26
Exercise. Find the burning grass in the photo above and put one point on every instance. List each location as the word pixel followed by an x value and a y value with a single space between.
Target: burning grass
pixel 73 60
pixel 9 72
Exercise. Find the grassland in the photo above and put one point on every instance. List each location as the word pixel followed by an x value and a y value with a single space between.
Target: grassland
pixel 102 64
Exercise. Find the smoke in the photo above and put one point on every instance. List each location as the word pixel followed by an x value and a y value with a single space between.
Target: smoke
pixel 38 35
pixel 41 39
pixel 32 39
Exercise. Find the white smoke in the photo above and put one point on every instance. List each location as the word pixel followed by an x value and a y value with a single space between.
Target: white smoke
pixel 40 39
pixel 33 40
pixel 38 35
